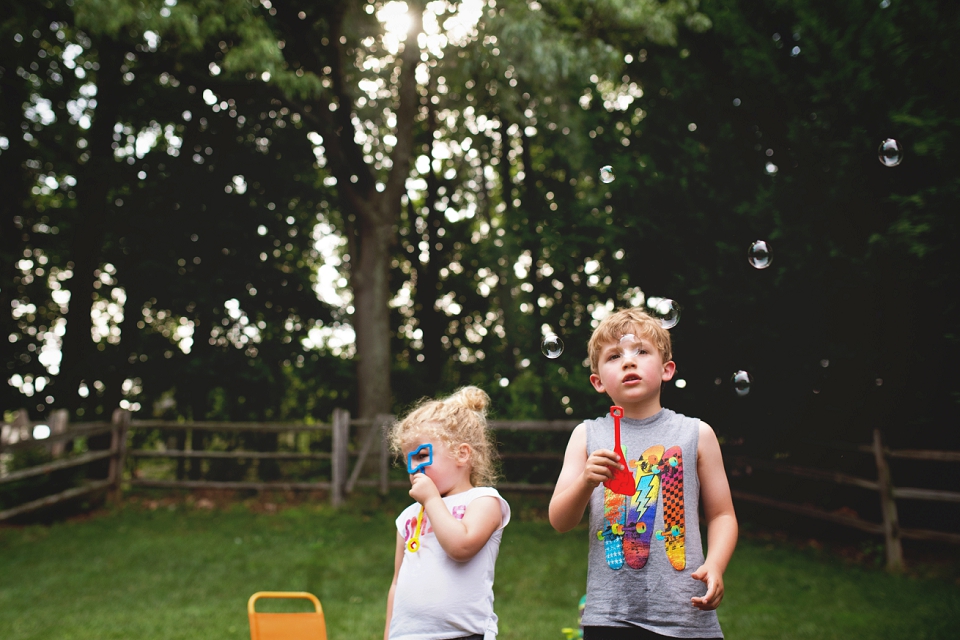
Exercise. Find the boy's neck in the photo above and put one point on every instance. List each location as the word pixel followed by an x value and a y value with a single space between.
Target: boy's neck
pixel 642 410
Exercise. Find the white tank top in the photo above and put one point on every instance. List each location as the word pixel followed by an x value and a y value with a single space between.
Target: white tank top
pixel 437 597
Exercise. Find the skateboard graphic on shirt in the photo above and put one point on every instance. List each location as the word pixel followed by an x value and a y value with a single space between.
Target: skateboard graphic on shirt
pixel 629 520
pixel 614 515
pixel 643 507
pixel 671 490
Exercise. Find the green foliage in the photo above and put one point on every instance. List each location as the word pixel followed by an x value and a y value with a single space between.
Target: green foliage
pixel 725 122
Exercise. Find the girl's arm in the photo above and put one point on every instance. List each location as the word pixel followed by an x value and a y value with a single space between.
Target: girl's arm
pixel 719 515
pixel 580 475
pixel 463 539
pixel 398 560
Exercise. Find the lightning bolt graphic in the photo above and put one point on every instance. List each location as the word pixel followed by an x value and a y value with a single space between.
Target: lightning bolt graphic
pixel 646 491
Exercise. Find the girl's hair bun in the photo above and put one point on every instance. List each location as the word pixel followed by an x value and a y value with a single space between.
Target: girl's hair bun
pixel 472 398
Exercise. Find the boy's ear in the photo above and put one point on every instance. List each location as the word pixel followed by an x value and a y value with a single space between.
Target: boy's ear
pixel 597 383
pixel 669 368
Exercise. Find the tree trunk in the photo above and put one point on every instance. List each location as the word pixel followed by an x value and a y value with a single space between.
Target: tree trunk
pixel 370 217
pixel 93 187
pixel 371 319
pixel 377 216
pixel 14 191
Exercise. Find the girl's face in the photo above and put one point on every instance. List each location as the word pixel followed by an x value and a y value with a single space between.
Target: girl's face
pixel 450 466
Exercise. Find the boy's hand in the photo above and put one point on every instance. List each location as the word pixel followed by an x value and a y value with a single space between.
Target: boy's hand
pixel 714 581
pixel 599 467
pixel 423 488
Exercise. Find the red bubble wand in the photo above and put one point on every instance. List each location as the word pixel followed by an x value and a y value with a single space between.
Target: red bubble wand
pixel 622 481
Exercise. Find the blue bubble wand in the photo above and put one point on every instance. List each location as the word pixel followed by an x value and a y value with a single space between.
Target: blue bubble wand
pixel 413 544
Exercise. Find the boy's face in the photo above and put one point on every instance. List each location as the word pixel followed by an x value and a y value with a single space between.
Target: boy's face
pixel 631 370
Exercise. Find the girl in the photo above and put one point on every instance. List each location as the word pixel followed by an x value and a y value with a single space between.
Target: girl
pixel 448 540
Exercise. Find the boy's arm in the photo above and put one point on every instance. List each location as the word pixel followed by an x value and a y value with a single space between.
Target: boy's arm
pixel 719 515
pixel 398 560
pixel 580 475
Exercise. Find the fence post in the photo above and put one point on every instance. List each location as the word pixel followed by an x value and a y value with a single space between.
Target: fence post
pixel 371 435
pixel 118 446
pixel 21 426
pixel 341 437
pixel 888 507
pixel 58 424
pixel 385 422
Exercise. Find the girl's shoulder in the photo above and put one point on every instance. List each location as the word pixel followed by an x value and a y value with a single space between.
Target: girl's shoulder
pixel 464 499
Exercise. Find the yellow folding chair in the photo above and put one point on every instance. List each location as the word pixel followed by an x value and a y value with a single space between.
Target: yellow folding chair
pixel 286 626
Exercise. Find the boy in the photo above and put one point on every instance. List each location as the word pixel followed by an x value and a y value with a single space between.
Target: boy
pixel 646 561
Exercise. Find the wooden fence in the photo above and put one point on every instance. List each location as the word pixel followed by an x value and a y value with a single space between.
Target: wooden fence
pixel 18 436
pixel 372 443
pixel 888 494
pixel 343 478
pixel 348 459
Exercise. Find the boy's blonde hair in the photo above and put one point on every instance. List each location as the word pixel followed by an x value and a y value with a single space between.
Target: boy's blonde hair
pixel 457 419
pixel 624 321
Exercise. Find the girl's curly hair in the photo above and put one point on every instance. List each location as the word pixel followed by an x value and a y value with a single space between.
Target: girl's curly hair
pixel 457 419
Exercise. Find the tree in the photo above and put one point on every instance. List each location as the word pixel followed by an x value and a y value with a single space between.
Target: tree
pixel 162 254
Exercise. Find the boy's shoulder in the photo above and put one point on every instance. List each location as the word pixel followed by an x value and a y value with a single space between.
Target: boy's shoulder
pixel 662 417
pixel 665 420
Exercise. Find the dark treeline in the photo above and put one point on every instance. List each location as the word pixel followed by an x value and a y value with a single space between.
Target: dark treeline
pixel 179 178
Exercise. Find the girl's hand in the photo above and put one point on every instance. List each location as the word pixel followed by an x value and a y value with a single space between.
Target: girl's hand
pixel 600 466
pixel 423 489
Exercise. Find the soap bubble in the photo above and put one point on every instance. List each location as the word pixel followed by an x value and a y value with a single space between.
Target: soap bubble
pixel 890 153
pixel 667 310
pixel 629 345
pixel 606 174
pixel 760 254
pixel 741 383
pixel 552 346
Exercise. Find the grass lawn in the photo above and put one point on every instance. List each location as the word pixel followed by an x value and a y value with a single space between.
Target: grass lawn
pixel 179 571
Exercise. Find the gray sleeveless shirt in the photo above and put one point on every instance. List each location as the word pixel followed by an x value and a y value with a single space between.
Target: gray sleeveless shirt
pixel 643 548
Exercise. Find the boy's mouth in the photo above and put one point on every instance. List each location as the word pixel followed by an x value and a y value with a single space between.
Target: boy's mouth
pixel 631 377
